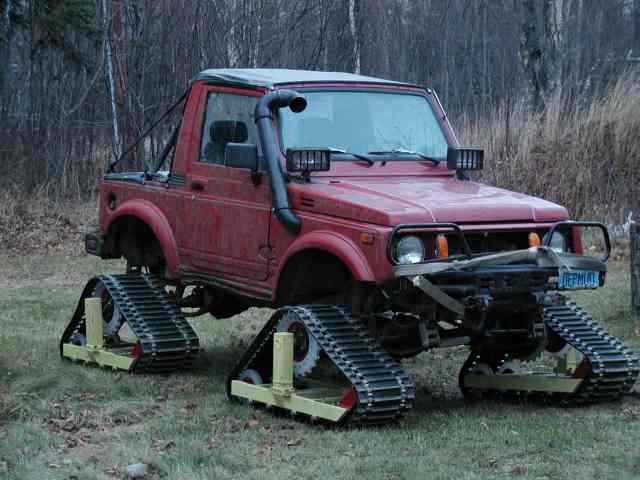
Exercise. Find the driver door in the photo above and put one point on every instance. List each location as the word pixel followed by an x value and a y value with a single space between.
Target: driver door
pixel 226 215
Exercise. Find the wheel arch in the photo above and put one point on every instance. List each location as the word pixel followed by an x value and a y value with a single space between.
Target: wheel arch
pixel 323 245
pixel 152 217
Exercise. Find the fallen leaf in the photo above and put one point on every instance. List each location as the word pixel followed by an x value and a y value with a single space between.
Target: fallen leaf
pixel 113 471
pixel 54 466
pixel 294 442
pixel 519 471
pixel 488 463
pixel 212 444
pixel 266 448
pixel 253 422
pixel 162 445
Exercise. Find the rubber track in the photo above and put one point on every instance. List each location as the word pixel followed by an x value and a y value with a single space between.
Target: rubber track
pixel 384 390
pixel 613 367
pixel 166 339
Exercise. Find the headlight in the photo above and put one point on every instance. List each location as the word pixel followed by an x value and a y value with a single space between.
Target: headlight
pixel 408 250
pixel 558 242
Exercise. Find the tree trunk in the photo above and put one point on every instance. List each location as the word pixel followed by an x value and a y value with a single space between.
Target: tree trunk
pixel 531 56
pixel 539 51
pixel 635 18
pixel 354 35
pixel 233 55
pixel 554 43
pixel 634 233
pixel 5 51
pixel 110 79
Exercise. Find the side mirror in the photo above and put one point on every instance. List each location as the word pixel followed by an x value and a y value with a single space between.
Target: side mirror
pixel 243 155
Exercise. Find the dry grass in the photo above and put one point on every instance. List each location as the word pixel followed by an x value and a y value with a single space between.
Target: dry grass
pixel 43 223
pixel 583 155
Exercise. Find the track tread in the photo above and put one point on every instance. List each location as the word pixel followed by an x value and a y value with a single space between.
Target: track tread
pixel 167 340
pixel 613 367
pixel 384 390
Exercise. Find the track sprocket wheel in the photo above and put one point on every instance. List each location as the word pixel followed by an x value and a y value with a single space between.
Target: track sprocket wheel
pixel 112 319
pixel 476 365
pixel 556 346
pixel 250 376
pixel 511 367
pixel 306 349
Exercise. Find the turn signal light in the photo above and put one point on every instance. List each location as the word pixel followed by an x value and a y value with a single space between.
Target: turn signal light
pixel 367 238
pixel 442 246
pixel 534 239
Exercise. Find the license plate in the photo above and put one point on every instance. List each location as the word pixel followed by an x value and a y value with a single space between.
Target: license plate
pixel 578 280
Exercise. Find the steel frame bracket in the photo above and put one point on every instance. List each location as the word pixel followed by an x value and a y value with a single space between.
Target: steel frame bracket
pixel 317 401
pixel 94 351
pixel 524 383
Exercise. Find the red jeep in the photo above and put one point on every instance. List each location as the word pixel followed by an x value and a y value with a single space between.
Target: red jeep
pixel 344 200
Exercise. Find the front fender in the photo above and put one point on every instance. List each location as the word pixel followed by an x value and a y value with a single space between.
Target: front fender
pixel 157 221
pixel 336 244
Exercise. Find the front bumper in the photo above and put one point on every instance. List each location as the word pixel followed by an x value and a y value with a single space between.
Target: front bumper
pixel 506 272
pixel 481 276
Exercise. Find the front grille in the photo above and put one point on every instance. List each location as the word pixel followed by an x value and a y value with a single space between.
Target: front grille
pixel 487 242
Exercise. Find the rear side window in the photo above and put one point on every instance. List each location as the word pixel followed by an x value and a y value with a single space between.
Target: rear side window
pixel 229 118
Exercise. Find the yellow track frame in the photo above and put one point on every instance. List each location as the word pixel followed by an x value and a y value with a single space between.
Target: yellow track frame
pixel 562 381
pixel 315 400
pixel 94 351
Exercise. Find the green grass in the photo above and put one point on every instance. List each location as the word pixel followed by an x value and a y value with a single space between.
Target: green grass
pixel 60 420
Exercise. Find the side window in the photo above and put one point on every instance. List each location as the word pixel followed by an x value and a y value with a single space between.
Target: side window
pixel 229 118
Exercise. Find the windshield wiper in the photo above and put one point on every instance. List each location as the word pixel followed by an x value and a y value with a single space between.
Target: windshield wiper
pixel 362 158
pixel 405 152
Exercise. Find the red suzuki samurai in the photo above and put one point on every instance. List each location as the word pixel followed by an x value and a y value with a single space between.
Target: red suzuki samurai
pixel 345 202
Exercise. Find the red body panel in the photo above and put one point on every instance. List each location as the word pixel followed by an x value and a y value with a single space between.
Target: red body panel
pixel 227 231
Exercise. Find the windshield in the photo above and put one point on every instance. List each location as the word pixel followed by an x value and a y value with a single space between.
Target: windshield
pixel 361 122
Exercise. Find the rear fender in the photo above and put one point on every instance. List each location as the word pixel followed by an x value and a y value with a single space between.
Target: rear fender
pixel 157 221
pixel 336 244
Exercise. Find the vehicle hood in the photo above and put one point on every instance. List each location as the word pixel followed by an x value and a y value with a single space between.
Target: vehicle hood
pixel 394 200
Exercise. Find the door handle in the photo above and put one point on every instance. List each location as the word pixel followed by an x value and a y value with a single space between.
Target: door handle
pixel 197 186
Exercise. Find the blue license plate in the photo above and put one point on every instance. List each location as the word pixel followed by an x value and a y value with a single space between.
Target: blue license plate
pixel 578 280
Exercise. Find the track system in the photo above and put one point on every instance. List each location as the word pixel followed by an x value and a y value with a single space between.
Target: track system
pixel 376 388
pixel 165 340
pixel 607 370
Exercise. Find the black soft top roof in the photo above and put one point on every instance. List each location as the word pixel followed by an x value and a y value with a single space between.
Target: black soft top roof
pixel 273 77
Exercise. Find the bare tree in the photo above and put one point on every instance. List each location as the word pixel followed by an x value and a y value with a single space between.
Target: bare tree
pixel 58 118
pixel 540 49
pixel 106 17
pixel 354 34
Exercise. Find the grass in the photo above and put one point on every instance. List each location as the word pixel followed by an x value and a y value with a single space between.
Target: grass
pixel 59 420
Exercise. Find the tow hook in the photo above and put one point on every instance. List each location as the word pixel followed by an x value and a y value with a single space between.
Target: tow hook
pixel 476 309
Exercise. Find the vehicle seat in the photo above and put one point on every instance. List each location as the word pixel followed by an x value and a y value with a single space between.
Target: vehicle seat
pixel 221 133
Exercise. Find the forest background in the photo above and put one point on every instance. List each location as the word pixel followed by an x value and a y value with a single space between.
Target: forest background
pixel 550 88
